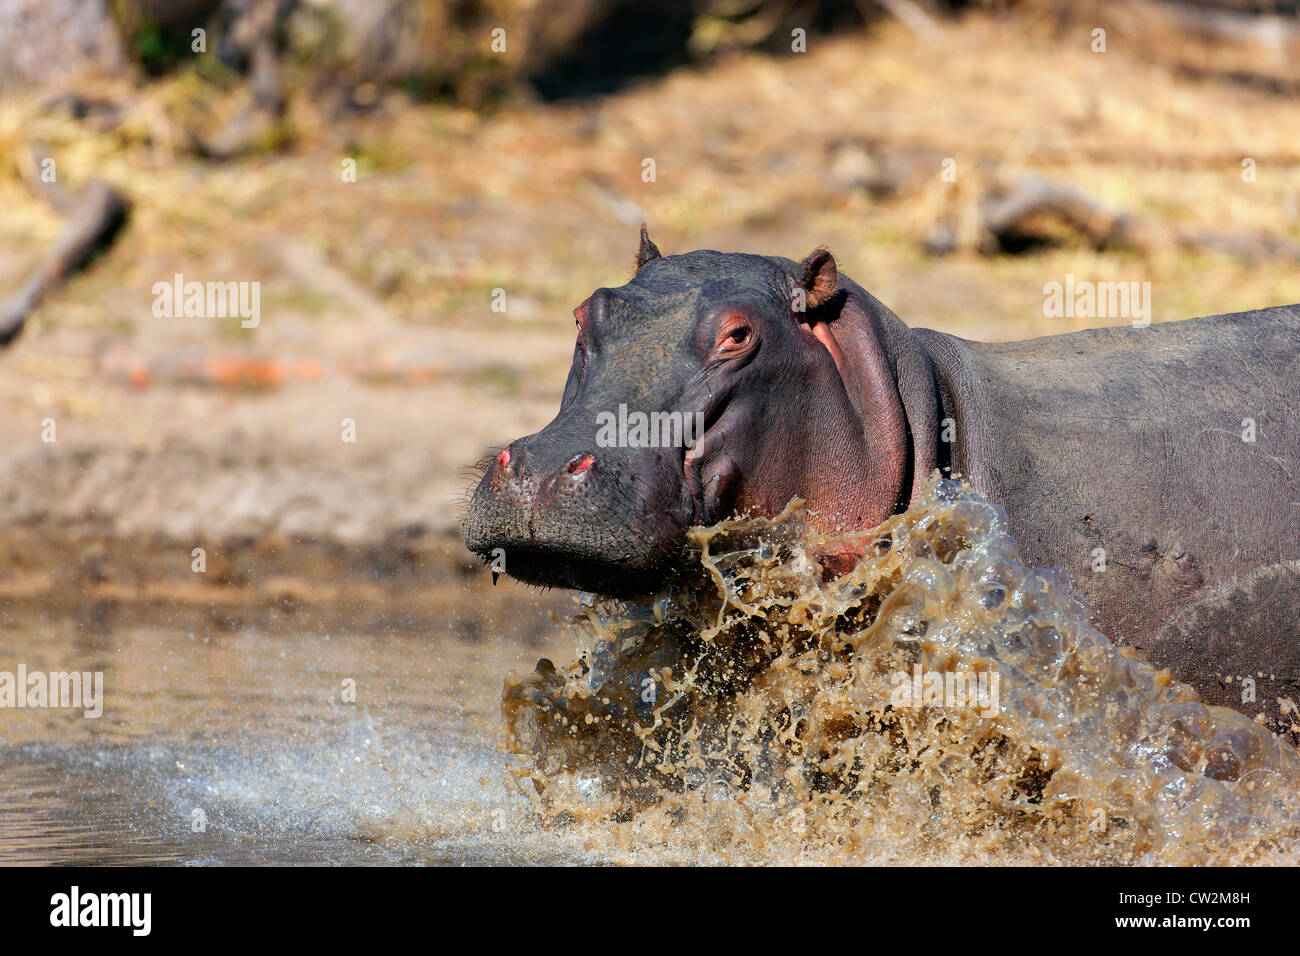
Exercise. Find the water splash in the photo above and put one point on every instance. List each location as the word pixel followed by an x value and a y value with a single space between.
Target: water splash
pixel 798 697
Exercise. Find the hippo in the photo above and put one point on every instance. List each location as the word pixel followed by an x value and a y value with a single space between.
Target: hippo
pixel 1159 465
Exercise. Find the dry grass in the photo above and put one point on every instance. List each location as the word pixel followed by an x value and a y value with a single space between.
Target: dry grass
pixel 543 201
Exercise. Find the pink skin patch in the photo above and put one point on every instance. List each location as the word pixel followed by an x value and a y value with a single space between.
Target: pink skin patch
pixel 503 459
pixel 823 333
pixel 581 464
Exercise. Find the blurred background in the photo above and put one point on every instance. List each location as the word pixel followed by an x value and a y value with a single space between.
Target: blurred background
pixel 423 191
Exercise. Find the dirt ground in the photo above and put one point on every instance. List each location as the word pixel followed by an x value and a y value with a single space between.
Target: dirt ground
pixel 376 295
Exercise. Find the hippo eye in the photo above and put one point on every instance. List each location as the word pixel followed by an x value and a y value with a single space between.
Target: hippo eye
pixel 734 336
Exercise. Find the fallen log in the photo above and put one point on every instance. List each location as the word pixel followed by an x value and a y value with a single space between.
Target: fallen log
pixel 1009 213
pixel 95 217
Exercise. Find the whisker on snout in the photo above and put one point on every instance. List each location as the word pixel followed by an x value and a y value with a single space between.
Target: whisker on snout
pixel 472 475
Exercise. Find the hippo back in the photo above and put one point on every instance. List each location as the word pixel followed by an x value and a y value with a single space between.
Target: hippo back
pixel 1155 464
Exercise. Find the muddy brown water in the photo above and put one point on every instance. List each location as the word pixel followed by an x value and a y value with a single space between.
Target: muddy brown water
pixel 750 713
pixel 218 746
pixel 937 703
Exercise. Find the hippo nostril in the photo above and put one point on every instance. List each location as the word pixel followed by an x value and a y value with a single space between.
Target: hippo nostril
pixel 580 463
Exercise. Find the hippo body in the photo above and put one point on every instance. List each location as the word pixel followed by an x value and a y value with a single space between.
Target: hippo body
pixel 1175 450
pixel 1159 466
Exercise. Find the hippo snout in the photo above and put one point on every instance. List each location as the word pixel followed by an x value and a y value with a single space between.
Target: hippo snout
pixel 516 473
pixel 590 519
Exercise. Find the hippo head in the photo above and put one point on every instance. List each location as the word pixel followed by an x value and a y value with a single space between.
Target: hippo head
pixel 709 384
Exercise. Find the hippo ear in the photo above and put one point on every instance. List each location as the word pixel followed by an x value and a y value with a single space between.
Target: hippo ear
pixel 648 251
pixel 817 277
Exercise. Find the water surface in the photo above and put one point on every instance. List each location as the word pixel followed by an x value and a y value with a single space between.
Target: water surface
pixel 237 747
pixel 748 713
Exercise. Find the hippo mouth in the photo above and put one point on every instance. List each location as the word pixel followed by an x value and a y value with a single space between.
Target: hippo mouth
pixel 543 567
pixel 616 570
pixel 616 526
